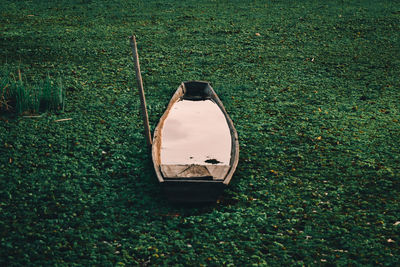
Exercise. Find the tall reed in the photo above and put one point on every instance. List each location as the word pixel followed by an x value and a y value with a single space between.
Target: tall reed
pixel 17 96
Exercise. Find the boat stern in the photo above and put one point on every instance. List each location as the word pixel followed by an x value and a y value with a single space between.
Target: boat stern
pixel 192 190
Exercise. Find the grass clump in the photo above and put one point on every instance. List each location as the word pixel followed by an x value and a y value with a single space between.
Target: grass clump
pixel 20 97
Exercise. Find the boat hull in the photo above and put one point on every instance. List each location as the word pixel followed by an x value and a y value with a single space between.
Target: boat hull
pixel 186 191
pixel 202 184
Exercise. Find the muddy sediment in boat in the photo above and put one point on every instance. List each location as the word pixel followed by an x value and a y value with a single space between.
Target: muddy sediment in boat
pixel 195 132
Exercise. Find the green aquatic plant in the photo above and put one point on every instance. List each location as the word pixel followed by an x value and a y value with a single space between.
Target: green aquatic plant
pixel 19 96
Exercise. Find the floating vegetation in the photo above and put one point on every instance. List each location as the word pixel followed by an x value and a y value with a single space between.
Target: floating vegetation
pixel 315 98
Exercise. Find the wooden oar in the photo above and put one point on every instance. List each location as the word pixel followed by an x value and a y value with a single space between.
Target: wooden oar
pixel 141 91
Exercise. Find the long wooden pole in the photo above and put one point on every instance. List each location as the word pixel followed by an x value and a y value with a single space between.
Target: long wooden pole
pixel 141 91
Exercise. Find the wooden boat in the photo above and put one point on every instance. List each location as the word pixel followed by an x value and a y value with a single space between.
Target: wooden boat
pixel 195 148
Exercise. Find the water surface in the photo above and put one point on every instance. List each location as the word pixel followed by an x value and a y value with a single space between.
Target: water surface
pixel 195 132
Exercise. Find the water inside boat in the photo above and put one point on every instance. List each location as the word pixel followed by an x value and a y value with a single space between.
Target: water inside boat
pixel 195 132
